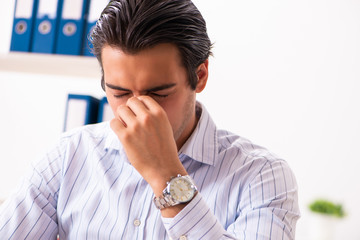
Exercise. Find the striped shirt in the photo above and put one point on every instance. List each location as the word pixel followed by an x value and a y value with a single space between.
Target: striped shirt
pixel 85 188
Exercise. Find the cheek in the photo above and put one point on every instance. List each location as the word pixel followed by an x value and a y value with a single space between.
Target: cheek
pixel 173 109
pixel 115 103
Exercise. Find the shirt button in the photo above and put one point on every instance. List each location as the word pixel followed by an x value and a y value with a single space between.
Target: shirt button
pixel 183 238
pixel 137 222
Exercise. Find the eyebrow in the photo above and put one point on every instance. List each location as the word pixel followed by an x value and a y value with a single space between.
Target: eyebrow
pixel 154 89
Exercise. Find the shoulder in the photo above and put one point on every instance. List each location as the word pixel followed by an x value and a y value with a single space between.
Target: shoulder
pixel 249 159
pixel 92 132
pixel 80 139
pixel 228 141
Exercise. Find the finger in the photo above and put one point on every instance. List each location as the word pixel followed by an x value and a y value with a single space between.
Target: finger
pixel 149 102
pixel 126 115
pixel 117 125
pixel 137 106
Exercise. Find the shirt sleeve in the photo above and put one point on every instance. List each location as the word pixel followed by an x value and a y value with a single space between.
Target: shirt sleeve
pixel 195 221
pixel 267 209
pixel 30 213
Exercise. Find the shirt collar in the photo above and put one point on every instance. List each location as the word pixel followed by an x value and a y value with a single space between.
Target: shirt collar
pixel 201 146
pixel 112 141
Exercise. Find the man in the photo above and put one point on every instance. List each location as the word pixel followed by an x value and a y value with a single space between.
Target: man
pixel 160 169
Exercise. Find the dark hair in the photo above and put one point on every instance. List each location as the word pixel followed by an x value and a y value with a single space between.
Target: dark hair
pixel 134 25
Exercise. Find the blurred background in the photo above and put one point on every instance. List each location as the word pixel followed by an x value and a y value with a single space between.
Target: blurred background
pixel 285 74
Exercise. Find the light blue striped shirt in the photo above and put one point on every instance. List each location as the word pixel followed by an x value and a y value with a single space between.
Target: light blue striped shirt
pixel 85 188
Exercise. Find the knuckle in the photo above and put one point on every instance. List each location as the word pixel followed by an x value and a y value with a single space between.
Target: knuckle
pixel 125 136
pixel 147 119
pixel 159 113
pixel 134 128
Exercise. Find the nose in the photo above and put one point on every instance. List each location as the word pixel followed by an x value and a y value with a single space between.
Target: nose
pixel 136 95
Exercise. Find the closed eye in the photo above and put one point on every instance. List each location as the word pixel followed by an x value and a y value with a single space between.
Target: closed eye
pixel 159 95
pixel 121 95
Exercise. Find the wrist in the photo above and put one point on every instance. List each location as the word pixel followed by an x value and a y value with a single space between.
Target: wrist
pixel 158 182
pixel 179 192
pixel 159 177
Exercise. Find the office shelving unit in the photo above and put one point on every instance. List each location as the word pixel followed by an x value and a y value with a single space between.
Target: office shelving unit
pixel 51 64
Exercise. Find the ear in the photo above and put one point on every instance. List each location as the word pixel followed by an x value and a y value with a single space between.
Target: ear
pixel 202 76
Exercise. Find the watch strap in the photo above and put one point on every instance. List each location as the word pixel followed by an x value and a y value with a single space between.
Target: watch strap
pixel 163 202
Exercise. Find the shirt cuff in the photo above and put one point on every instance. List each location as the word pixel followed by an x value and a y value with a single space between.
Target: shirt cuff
pixel 195 221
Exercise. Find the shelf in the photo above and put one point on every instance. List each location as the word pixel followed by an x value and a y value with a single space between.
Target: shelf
pixel 51 64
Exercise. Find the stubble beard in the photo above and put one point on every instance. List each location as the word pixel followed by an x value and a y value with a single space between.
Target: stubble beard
pixel 188 115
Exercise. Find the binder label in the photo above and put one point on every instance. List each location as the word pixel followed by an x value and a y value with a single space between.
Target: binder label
pixel 76 113
pixel 108 113
pixel 72 9
pixel 48 7
pixel 24 9
pixel 96 8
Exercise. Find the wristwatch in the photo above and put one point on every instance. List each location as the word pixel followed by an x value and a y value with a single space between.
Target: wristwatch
pixel 180 189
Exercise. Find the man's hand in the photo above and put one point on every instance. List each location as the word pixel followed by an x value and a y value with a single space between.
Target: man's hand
pixel 147 136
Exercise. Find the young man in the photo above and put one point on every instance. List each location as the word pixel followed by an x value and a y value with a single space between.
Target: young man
pixel 160 169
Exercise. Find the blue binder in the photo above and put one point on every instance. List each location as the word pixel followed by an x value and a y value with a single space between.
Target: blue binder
pixel 72 27
pixel 96 7
pixel 105 111
pixel 80 110
pixel 23 25
pixel 46 26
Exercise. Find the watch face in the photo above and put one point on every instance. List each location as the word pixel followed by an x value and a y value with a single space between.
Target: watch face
pixel 181 189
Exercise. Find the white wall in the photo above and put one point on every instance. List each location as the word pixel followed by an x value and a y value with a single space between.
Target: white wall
pixel 286 74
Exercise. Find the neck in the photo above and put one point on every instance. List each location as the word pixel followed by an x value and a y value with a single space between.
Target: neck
pixel 188 130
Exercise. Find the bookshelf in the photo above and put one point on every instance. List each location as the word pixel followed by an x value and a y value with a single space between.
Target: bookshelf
pixel 51 64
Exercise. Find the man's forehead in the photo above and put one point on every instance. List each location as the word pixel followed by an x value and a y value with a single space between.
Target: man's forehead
pixel 158 49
